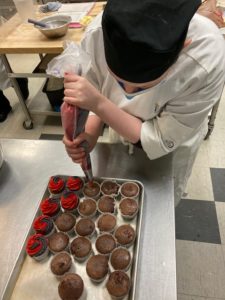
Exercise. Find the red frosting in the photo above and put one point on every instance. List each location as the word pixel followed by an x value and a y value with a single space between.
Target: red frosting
pixel 69 200
pixel 43 224
pixel 74 183
pixel 56 184
pixel 36 244
pixel 49 206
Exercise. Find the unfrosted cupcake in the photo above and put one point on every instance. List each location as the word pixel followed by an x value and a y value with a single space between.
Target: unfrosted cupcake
pixel 128 208
pixel 97 267
pixel 129 189
pixel 120 259
pixel 60 264
pixel 58 242
pixel 51 207
pixel 56 185
pixel 44 225
pixel 37 247
pixel 106 223
pixel 91 190
pixel 69 201
pixel 118 284
pixel 109 187
pixel 106 204
pixel 105 243
pixel 80 248
pixel 65 223
pixel 75 184
pixel 71 287
pixel 85 227
pixel 87 208
pixel 125 235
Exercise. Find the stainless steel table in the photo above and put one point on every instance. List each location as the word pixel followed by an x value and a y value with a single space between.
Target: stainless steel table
pixel 23 179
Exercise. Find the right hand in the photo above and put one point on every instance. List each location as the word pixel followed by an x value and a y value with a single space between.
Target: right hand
pixel 73 149
pixel 209 10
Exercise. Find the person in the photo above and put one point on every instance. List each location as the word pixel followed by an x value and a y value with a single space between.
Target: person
pixel 5 107
pixel 156 70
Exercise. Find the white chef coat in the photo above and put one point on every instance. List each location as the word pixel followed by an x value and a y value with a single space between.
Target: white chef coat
pixel 175 111
pixel 4 80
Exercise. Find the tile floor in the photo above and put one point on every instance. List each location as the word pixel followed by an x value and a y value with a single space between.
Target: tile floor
pixel 200 217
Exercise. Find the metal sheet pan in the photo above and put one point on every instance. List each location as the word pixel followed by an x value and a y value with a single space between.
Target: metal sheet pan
pixel 32 280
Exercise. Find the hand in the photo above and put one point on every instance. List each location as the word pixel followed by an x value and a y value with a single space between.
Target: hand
pixel 73 149
pixel 209 10
pixel 80 92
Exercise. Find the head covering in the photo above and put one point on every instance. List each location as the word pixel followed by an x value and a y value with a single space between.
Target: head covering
pixel 142 38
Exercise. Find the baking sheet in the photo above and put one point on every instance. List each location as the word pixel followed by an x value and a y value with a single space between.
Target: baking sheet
pixel 35 280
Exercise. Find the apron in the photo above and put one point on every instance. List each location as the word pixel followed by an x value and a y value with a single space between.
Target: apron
pixel 4 80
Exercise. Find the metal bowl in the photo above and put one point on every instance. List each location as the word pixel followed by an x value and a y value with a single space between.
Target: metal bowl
pixel 57 26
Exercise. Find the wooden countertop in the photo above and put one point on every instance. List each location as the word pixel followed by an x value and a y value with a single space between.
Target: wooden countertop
pixel 17 37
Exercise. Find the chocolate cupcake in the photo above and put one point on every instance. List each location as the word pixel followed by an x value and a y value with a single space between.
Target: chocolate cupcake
pixel 75 184
pixel 65 223
pixel 120 259
pixel 91 190
pixel 56 185
pixel 58 242
pixel 69 201
pixel 97 267
pixel 60 264
pixel 128 208
pixel 109 187
pixel 106 204
pixel 105 243
pixel 106 223
pixel 85 227
pixel 118 284
pixel 50 207
pixel 71 287
pixel 44 225
pixel 87 207
pixel 129 189
pixel 37 247
pixel 125 235
pixel 80 248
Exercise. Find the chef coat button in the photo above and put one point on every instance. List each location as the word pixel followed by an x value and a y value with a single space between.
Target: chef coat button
pixel 169 144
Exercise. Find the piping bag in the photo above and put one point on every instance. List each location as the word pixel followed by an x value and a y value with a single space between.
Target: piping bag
pixel 73 60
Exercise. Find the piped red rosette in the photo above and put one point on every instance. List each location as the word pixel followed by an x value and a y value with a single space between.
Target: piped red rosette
pixel 43 224
pixel 74 183
pixel 36 245
pixel 69 201
pixel 56 184
pixel 50 206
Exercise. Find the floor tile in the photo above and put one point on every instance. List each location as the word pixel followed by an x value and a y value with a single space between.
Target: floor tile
pixel 192 297
pixel 200 269
pixel 220 211
pixel 202 190
pixel 216 153
pixel 197 221
pixel 218 183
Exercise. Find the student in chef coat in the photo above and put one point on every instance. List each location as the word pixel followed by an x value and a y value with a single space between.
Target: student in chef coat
pixel 5 83
pixel 156 70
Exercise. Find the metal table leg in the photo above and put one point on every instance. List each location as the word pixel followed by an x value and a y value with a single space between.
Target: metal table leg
pixel 28 123
pixel 212 120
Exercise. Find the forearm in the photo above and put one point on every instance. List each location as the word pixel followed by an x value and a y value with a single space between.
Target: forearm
pixel 94 126
pixel 122 122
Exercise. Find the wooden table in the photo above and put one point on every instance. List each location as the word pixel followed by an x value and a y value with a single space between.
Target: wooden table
pixel 21 38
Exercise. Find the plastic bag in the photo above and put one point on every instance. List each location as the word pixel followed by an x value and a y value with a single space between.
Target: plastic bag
pixel 73 60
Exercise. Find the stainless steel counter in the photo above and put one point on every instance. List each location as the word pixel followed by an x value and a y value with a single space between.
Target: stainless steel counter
pixel 23 179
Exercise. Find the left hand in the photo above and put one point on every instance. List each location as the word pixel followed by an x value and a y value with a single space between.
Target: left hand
pixel 80 92
pixel 209 10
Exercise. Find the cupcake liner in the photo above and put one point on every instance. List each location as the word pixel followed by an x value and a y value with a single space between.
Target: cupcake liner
pixel 93 197
pixel 54 217
pixel 50 233
pixel 128 266
pixel 135 196
pixel 128 217
pixel 98 280
pixel 86 216
pixel 113 194
pixel 42 256
pixel 104 231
